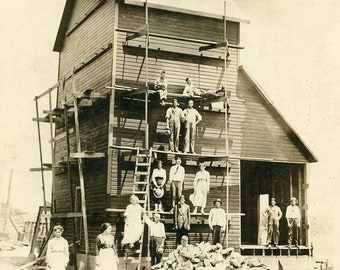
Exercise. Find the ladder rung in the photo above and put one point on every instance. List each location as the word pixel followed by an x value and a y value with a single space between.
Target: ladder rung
pixel 140 192
pixel 141 182
pixel 142 164
pixel 141 155
pixel 141 173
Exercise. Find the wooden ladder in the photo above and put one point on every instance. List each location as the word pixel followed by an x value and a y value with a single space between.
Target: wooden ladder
pixel 141 189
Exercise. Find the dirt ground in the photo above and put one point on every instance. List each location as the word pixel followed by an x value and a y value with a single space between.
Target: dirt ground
pixel 13 255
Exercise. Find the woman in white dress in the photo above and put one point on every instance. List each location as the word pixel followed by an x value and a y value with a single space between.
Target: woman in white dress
pixel 133 222
pixel 106 255
pixel 57 254
pixel 201 188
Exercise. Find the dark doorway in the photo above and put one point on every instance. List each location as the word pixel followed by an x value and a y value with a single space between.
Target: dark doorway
pixel 276 179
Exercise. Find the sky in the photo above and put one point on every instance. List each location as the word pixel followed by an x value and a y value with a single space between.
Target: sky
pixel 291 49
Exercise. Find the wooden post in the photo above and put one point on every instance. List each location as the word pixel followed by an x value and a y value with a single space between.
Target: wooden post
pixel 2 167
pixel 226 117
pixel 146 145
pixel 8 201
pixel 41 159
pixel 112 97
pixel 80 169
pixel 290 183
pixel 69 178
pixel 52 148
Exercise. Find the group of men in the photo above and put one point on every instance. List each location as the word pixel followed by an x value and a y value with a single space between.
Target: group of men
pixel 293 217
pixel 187 118
pixel 190 90
pixel 190 117
pixel 217 223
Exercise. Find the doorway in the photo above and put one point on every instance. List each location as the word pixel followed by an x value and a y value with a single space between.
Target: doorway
pixel 274 179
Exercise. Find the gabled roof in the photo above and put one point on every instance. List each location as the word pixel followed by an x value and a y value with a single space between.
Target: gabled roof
pixel 215 9
pixel 65 18
pixel 284 123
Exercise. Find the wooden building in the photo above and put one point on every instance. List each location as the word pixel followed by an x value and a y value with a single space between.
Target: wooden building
pixel 249 151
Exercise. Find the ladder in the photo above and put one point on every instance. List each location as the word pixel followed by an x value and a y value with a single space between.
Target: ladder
pixel 141 189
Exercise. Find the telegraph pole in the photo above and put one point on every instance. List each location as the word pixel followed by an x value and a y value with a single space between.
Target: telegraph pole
pixel 8 200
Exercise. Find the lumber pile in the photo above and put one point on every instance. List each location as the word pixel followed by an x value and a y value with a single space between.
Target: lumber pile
pixel 205 256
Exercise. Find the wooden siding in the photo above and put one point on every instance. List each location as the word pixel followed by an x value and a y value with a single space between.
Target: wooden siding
pixel 254 130
pixel 92 36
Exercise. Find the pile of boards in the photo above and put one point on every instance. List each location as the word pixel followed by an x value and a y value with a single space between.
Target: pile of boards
pixel 205 256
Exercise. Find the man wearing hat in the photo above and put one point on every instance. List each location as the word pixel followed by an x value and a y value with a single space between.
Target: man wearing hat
pixel 274 215
pixel 293 217
pixel 217 221
pixel 157 233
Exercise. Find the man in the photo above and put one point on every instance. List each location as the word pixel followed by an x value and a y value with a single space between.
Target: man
pixel 157 233
pixel 190 90
pixel 161 86
pixel 173 123
pixel 183 255
pixel 274 215
pixel 293 217
pixel 181 219
pixel 217 221
pixel 191 117
pixel 176 179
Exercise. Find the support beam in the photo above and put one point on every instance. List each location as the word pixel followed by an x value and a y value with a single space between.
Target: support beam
pixel 214 46
pixel 191 40
pixel 141 31
pixel 63 215
pixel 44 119
pixel 87 155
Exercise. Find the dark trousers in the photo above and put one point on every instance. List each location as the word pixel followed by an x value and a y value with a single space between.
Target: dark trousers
pixel 155 257
pixel 273 231
pixel 216 234
pixel 293 232
pixel 180 232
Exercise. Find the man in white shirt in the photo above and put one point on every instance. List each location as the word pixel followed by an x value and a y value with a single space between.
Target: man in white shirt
pixel 190 90
pixel 274 215
pixel 161 86
pixel 192 118
pixel 157 233
pixel 293 217
pixel 217 221
pixel 176 179
pixel 173 123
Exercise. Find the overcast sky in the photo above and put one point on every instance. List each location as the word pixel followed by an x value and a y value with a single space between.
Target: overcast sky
pixel 291 48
